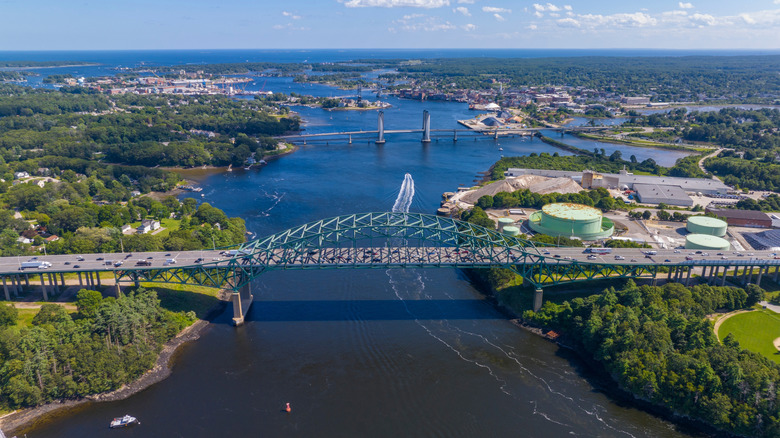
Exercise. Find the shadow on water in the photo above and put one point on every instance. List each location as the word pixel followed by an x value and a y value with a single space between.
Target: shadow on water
pixel 369 310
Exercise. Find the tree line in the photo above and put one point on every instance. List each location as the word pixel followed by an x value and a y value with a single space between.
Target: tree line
pixel 107 343
pixel 658 344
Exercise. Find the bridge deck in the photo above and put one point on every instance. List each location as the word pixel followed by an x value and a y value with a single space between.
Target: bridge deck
pixel 315 258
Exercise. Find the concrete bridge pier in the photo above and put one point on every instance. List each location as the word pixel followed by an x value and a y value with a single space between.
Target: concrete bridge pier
pixel 760 274
pixel 5 289
pixel 538 297
pixel 426 137
pixel 688 277
pixel 81 281
pixel 242 301
pixel 723 279
pixel 454 135
pixel 777 271
pixel 43 287
pixel 380 139
pixel 350 138
pixel 97 275
pixel 27 280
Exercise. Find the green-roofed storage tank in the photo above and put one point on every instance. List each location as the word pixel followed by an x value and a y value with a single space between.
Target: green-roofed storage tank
pixel 571 220
pixel 704 241
pixel 510 230
pixel 505 222
pixel 706 225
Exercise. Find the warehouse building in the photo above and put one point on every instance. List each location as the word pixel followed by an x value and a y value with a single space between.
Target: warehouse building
pixel 656 194
pixel 742 218
pixel 626 180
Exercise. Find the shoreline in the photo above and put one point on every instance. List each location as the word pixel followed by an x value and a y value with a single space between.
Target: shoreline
pixel 18 422
pixel 596 375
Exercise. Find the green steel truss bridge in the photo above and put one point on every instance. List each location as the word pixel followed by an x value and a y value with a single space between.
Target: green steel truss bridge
pixel 380 241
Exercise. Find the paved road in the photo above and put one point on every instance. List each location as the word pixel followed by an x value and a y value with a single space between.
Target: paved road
pixel 365 257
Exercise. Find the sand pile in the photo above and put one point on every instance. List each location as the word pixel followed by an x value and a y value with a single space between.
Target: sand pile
pixel 534 183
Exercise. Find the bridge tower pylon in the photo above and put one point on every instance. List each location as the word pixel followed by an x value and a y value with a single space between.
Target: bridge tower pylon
pixel 426 137
pixel 380 128
pixel 241 299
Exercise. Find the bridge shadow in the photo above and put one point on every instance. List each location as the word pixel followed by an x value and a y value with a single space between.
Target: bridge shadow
pixel 370 310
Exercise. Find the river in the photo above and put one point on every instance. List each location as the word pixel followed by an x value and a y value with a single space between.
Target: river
pixel 410 353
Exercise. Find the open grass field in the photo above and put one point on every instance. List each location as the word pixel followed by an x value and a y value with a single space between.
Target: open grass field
pixel 755 331
pixel 178 298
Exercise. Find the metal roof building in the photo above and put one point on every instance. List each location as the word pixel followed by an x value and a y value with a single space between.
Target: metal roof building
pixel 656 194
pixel 742 218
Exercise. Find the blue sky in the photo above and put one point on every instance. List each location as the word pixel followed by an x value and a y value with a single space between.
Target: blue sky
pixel 281 24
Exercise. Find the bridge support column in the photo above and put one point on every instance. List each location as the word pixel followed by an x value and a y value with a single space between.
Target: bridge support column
pixel 350 138
pixel 538 297
pixel 725 272
pixel 380 139
pixel 26 280
pixel 669 277
pixel 43 287
pixel 760 274
pixel 688 276
pixel 242 301
pixel 713 274
pixel 454 135
pixel 5 289
pixel 426 137
pixel 777 271
pixel 97 275
pixel 18 285
pixel 62 280
pixel 81 281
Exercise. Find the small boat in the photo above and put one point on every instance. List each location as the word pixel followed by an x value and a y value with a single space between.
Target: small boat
pixel 500 149
pixel 123 421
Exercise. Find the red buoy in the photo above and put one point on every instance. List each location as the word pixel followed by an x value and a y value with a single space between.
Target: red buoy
pixel 288 408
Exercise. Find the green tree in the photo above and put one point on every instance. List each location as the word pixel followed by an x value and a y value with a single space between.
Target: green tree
pixel 8 315
pixel 88 302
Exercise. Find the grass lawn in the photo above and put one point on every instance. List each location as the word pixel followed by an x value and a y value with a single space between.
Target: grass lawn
pixel 177 297
pixel 168 225
pixel 755 331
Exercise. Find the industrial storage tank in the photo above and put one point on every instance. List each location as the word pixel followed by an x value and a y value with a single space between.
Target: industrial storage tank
pixel 571 220
pixel 511 231
pixel 706 225
pixel 704 241
pixel 505 222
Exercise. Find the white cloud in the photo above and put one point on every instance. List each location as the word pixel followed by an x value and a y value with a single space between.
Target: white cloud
pixel 555 14
pixel 538 14
pixel 569 22
pixel 291 15
pixel 470 2
pixel 421 22
pixel 704 19
pixel 748 19
pixel 636 19
pixel 495 10
pixel 462 10
pixel 532 27
pixel 499 17
pixel 395 3
pixel 469 27
pixel 549 7
pixel 567 7
pixel 685 5
pixel 674 13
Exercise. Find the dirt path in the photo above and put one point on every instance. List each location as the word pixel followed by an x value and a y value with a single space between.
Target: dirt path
pixel 725 317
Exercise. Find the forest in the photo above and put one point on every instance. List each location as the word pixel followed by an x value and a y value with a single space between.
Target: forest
pixel 176 131
pixel 657 344
pixel 739 79
pixel 61 356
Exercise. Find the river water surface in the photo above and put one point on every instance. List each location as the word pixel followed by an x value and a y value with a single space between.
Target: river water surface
pixel 403 353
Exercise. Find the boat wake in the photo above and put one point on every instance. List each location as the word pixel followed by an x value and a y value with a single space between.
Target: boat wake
pixel 405 195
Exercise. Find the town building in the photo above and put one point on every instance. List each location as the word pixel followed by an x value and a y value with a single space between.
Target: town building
pixel 742 218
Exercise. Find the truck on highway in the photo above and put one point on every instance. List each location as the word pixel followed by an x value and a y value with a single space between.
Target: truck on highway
pixel 35 264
